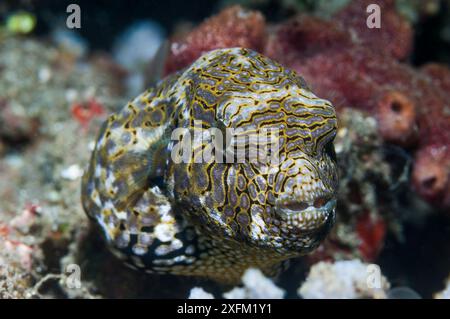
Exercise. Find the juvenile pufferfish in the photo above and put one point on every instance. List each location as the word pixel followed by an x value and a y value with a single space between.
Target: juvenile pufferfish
pixel 215 219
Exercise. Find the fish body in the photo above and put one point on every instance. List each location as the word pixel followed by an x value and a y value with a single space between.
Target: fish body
pixel 215 218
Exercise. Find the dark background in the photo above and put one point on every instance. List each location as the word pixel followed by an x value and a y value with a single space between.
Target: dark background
pixel 103 20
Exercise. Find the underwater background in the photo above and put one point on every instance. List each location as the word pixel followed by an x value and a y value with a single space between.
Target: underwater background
pixel 390 87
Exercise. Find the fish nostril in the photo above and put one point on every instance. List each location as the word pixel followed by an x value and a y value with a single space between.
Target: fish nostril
pixel 321 201
pixel 296 206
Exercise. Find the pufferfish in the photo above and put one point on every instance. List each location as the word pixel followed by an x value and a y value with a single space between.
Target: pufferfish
pixel 215 219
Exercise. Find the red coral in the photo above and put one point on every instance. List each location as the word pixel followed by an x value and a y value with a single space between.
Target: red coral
pixel 233 27
pixel 353 66
pixel 439 74
pixel 371 232
pixel 431 174
pixel 305 36
pixel 84 112
pixel 394 38
pixel 330 250
pixel 411 105
pixel 397 113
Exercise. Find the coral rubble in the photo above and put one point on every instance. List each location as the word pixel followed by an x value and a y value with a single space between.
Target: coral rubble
pixel 344 280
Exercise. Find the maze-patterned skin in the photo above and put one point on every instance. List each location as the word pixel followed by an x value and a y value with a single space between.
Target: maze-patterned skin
pixel 215 219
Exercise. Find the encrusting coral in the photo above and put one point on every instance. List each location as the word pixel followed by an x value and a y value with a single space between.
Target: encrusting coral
pixel 233 27
pixel 341 59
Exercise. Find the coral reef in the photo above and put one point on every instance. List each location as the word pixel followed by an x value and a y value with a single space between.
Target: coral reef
pixel 368 203
pixel 51 107
pixel 431 176
pixel 40 210
pixel 395 35
pixel 16 255
pixel 233 27
pixel 338 58
pixel 409 107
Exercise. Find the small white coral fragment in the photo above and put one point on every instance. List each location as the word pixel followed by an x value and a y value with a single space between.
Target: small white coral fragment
pixel 199 293
pixel 444 294
pixel 256 286
pixel 346 279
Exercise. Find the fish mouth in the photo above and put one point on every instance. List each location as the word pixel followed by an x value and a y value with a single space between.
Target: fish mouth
pixel 307 216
